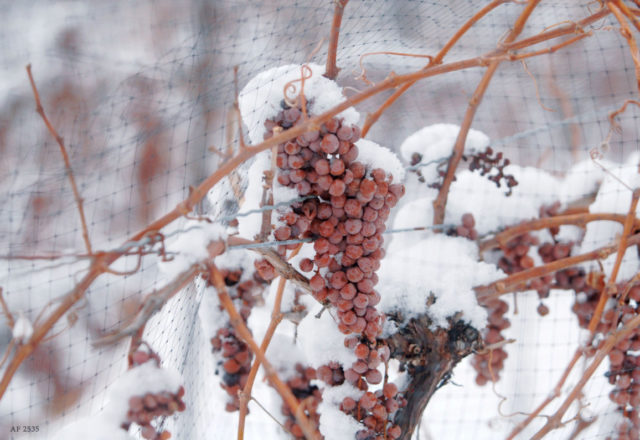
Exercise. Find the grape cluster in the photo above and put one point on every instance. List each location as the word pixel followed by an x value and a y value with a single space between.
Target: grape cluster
pixel 236 365
pixel 375 411
pixel 310 395
pixel 489 365
pixel 346 218
pixel 144 409
pixel 369 356
pixel 485 162
pixel 515 252
pixel 571 278
pixel 236 354
pixel 466 229
pixel 624 371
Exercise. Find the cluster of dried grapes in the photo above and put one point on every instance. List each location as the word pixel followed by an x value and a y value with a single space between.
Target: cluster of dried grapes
pixel 346 218
pixel 236 354
pixel 488 365
pixel 572 278
pixel 309 396
pixel 484 162
pixel 375 410
pixel 466 229
pixel 625 366
pixel 144 409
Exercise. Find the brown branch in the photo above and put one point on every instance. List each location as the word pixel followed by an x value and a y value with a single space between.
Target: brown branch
pixel 518 280
pixel 555 420
pixel 243 332
pixel 551 397
pixel 625 31
pixel 551 49
pixel 65 157
pixel 332 69
pixel 440 202
pixel 245 394
pixel 609 289
pixel 372 118
pixel 613 115
pixel 572 28
pixel 5 309
pixel 580 220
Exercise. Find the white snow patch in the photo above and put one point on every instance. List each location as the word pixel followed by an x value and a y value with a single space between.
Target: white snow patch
pixel 491 208
pixel 374 156
pixel 334 424
pixel 260 99
pixel 138 381
pixel 22 328
pixel 321 340
pixel 435 142
pixel 446 266
pixel 189 245
pixel 613 197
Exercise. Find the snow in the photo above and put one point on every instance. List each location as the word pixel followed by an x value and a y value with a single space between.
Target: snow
pixel 435 142
pixel 374 156
pixel 444 266
pixel 334 424
pixel 189 245
pixel 613 197
pixel 413 214
pixel 321 341
pixel 138 381
pixel 491 208
pixel 249 225
pixel 260 99
pixel 22 328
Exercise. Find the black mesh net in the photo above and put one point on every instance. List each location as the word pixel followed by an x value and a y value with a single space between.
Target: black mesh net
pixel 142 93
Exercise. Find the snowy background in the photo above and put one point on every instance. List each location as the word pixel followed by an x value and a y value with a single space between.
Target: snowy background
pixel 140 91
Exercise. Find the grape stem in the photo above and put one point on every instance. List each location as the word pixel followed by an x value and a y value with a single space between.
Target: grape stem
pixel 332 69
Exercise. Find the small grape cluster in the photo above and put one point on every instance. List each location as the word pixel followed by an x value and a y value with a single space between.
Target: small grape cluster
pixel 236 354
pixel 144 409
pixel 485 162
pixel 375 411
pixel 346 218
pixel 309 395
pixel 466 229
pixel 624 371
pixel 369 359
pixel 515 256
pixel 489 365
pixel 236 366
pixel 571 278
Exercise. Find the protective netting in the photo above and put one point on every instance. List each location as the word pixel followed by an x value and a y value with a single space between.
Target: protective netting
pixel 142 94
